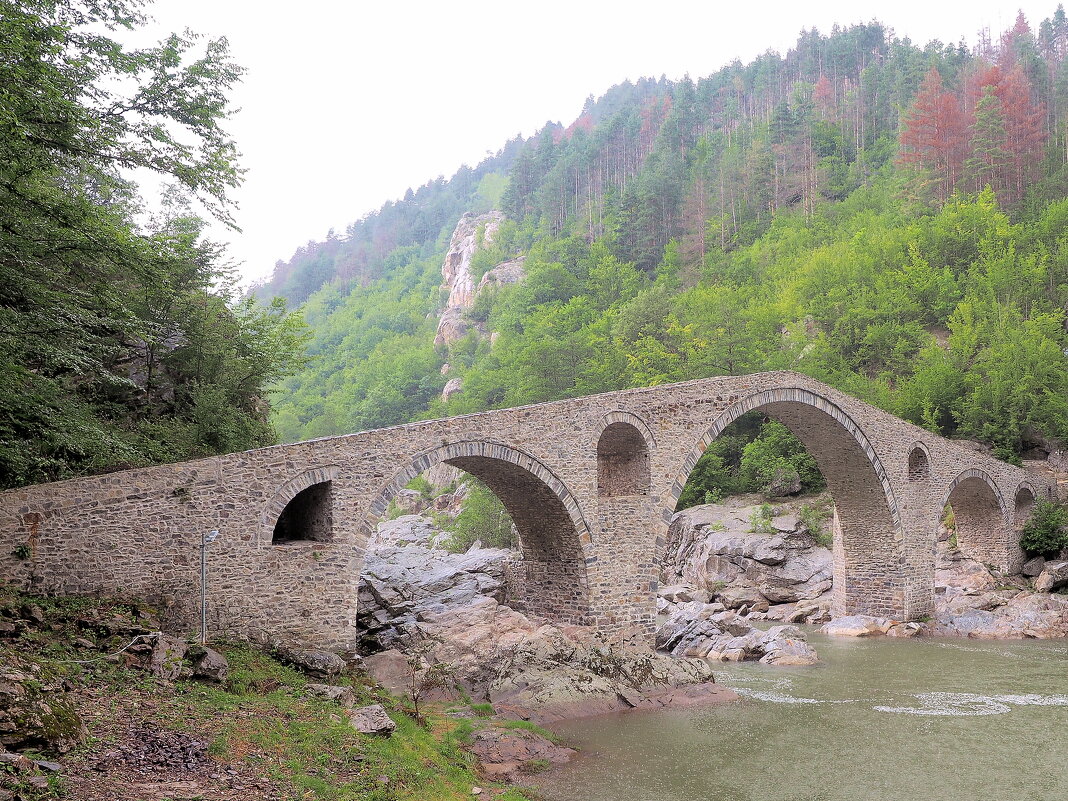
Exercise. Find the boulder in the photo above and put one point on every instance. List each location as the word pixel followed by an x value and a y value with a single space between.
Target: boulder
pixel 36 713
pixel 713 547
pixel 15 763
pixel 1033 567
pixel 735 597
pixel 165 660
pixel 786 645
pixel 1054 575
pixel 910 629
pixel 504 753
pixel 391 670
pixel 322 664
pixel 372 720
pixel 817 610
pixel 785 481
pixel 209 664
pixel 452 387
pixel 343 696
pixel 1025 614
pixel 857 626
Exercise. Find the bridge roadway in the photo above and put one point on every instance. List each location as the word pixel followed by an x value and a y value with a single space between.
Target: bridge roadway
pixel 591 484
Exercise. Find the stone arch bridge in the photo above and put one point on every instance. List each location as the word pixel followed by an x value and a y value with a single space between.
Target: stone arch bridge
pixel 591 484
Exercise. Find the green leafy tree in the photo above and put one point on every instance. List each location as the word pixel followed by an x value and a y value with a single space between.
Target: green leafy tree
pixel 118 343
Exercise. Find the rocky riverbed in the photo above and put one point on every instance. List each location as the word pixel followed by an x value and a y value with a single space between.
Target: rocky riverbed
pixel 454 608
pixel 736 579
pixel 764 563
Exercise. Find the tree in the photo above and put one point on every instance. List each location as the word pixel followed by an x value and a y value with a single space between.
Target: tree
pixel 934 133
pixel 989 159
pixel 117 343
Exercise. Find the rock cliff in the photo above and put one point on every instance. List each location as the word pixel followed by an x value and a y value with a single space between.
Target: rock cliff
pixel 472 232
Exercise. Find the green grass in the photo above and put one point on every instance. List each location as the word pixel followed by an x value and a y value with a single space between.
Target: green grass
pixel 261 717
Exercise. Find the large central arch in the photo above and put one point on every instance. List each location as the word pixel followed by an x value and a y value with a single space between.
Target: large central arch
pixel 553 533
pixel 870 573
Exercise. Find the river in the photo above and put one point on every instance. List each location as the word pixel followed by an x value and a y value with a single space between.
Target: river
pixel 878 720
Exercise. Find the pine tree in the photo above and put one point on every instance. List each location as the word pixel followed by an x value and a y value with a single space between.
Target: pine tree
pixel 934 134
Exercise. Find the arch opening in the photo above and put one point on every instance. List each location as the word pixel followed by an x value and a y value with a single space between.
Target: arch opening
pixel 871 574
pixel 1024 506
pixel 973 514
pixel 308 517
pixel 622 461
pixel 919 464
pixel 549 579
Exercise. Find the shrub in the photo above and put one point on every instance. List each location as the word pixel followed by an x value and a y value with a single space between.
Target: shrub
pixel 776 452
pixel 1047 530
pixel 482 518
pixel 760 520
pixel 814 517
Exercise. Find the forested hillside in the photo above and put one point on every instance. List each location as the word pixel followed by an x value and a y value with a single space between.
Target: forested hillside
pixel 886 217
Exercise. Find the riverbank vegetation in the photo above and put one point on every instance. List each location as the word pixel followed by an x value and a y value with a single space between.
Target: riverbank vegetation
pixel 257 734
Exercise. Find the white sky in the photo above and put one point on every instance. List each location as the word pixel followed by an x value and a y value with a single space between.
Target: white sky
pixel 346 105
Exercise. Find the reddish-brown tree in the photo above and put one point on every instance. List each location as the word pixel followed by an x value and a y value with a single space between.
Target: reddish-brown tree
pixel 823 95
pixel 1025 131
pixel 934 135
pixel 1025 134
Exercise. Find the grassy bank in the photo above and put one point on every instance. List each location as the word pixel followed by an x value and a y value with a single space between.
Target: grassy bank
pixel 255 736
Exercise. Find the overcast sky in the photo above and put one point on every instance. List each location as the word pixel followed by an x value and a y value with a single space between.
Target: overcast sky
pixel 347 104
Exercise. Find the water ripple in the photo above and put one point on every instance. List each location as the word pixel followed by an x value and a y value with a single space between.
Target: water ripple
pixel 972 704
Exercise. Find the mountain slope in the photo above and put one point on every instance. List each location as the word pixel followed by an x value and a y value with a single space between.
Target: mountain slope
pixel 887 218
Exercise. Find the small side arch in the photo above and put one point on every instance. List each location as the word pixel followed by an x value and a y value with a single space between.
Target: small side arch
pixel 919 466
pixel 285 494
pixel 1024 499
pixel 554 537
pixel 624 445
pixel 979 513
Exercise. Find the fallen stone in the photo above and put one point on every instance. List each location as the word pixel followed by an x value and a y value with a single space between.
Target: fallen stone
pixel 165 661
pixel 211 665
pixel 51 767
pixel 318 663
pixel 391 670
pixel 857 626
pixel 15 762
pixel 1033 567
pixel 343 696
pixel 786 645
pixel 36 714
pixel 33 613
pixel 372 720
pixel 735 597
pixel 910 629
pixel 1054 575
pixel 505 753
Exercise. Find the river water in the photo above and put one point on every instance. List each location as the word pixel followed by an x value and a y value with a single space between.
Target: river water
pixel 879 720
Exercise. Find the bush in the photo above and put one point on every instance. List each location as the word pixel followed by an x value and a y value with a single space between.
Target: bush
pixel 1047 530
pixel 483 518
pixel 776 453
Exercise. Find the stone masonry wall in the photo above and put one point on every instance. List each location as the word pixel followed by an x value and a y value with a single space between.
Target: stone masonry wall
pixel 592 557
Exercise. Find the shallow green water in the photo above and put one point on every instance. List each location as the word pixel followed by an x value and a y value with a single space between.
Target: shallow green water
pixel 879 720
